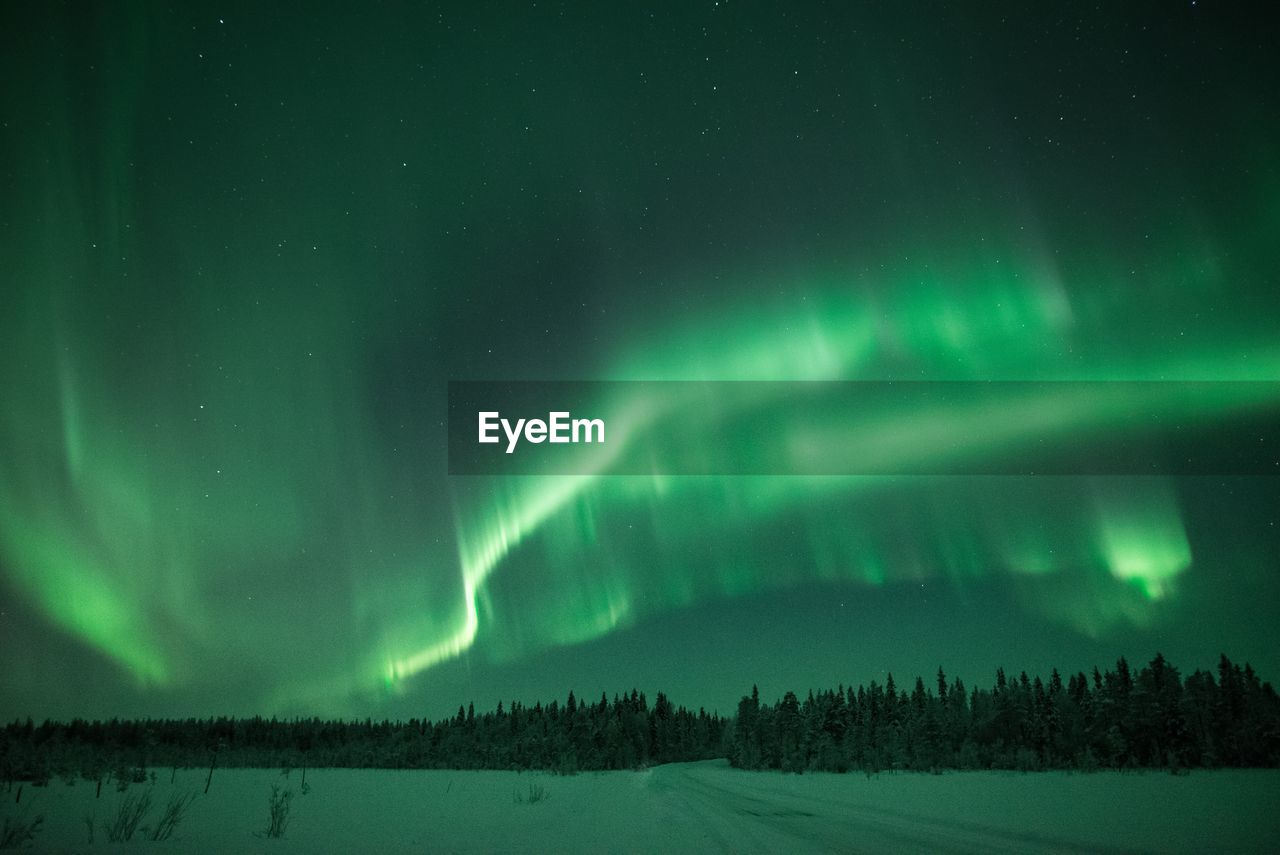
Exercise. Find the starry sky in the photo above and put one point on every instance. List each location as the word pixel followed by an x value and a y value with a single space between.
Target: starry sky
pixel 245 247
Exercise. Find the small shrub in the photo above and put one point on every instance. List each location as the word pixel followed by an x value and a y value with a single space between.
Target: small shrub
pixel 172 815
pixel 537 793
pixel 278 804
pixel 19 831
pixel 129 813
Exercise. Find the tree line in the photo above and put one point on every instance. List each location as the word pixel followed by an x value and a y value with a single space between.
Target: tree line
pixel 1114 719
pixel 625 733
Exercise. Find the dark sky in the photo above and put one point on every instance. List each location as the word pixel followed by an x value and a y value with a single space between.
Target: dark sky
pixel 245 246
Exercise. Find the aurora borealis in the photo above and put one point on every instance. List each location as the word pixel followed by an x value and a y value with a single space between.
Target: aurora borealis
pixel 244 250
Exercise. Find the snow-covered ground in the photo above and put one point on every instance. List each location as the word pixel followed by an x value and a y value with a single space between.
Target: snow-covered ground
pixel 688 807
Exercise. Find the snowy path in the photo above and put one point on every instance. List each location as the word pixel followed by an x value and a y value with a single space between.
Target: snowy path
pixel 751 812
pixel 690 807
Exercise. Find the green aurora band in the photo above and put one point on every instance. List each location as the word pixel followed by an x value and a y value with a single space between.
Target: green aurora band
pixel 138 522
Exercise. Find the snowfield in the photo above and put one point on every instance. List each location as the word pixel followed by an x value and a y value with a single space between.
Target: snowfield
pixel 687 807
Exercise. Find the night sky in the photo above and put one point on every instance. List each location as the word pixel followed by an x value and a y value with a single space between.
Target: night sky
pixel 244 247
